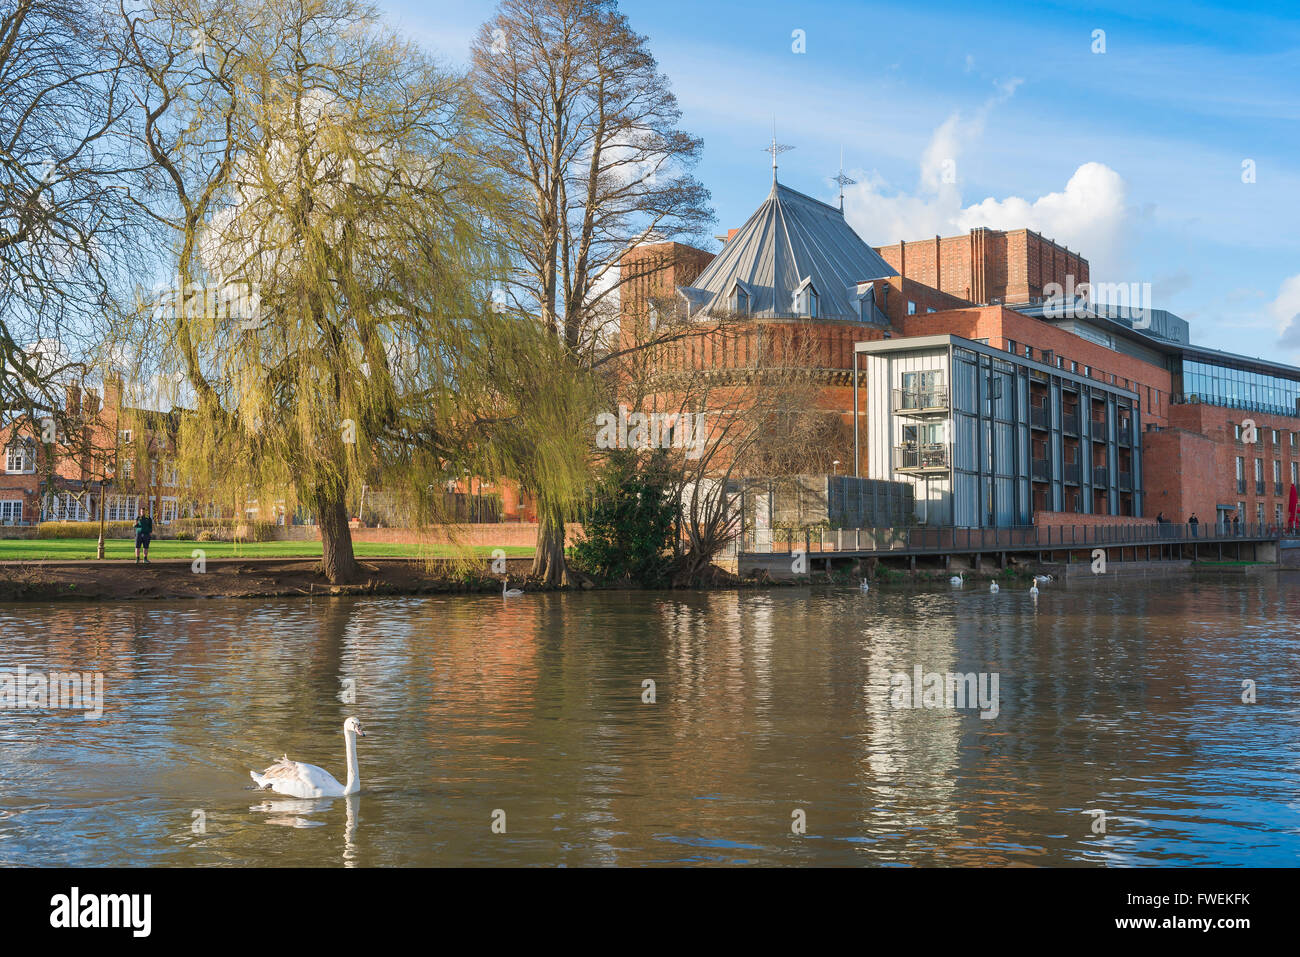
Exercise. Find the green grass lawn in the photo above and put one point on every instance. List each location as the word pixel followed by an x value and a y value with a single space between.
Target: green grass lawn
pixel 72 549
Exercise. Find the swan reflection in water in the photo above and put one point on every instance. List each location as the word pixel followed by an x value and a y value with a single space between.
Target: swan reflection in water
pixel 291 812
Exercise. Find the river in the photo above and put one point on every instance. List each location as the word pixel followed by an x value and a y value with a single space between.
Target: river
pixel 646 728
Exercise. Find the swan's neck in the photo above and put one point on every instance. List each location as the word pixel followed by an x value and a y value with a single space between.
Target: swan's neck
pixel 354 779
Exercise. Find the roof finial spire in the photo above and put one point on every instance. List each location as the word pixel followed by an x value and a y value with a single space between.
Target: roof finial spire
pixel 843 180
pixel 776 149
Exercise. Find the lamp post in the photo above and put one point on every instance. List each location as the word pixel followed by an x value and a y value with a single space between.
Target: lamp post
pixel 836 466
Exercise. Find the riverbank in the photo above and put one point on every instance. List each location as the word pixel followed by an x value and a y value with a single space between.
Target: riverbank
pixel 279 577
pixel 240 578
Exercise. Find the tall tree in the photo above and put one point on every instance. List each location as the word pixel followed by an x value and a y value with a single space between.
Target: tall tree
pixel 583 127
pixel 65 223
pixel 316 167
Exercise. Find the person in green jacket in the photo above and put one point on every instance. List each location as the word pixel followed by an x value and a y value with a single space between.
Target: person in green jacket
pixel 143 532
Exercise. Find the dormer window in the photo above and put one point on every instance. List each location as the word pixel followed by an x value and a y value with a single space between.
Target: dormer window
pixel 805 300
pixel 740 299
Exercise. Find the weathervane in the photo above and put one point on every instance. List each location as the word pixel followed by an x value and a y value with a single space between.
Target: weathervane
pixel 776 149
pixel 843 180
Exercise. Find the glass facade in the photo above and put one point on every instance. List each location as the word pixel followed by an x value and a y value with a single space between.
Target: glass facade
pixel 1239 388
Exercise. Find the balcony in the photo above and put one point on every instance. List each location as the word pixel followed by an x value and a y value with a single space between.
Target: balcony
pixel 933 402
pixel 922 457
pixel 1070 473
pixel 1070 423
pixel 1040 470
pixel 1124 435
pixel 1277 488
pixel 1241 486
pixel 1101 476
pixel 1099 431
pixel 1126 481
pixel 1259 488
pixel 1039 417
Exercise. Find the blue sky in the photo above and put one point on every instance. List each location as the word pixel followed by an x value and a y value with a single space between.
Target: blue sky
pixel 952 115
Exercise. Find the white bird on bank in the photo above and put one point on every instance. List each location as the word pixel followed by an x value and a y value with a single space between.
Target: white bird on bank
pixel 510 592
pixel 308 781
pixel 993 587
pixel 955 580
pixel 865 586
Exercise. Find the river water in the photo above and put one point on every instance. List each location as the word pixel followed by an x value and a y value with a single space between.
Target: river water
pixel 523 731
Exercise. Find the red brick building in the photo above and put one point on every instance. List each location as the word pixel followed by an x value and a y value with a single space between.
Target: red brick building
pixel 797 269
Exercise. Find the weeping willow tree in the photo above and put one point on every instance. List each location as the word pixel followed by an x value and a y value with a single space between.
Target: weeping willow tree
pixel 335 261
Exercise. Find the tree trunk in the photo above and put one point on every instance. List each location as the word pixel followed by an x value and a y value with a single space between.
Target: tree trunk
pixel 549 565
pixel 337 559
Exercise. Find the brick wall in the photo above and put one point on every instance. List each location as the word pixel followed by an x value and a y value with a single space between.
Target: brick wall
pixel 654 271
pixel 987 265
pixel 1056 519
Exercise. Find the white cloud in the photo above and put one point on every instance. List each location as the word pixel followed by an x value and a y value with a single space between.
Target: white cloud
pixel 1286 310
pixel 1088 215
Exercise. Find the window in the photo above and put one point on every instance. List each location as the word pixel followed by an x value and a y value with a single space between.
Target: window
pixel 740 299
pixel 1277 477
pixel 169 510
pixel 805 300
pixel 125 436
pixel 1236 432
pixel 121 508
pixel 931 309
pixel 1029 352
pixel 65 507
pixel 1293 474
pixel 11 511
pixel 1275 437
pixel 1241 511
pixel 1259 513
pixel 1277 514
pixel 911 308
pixel 20 458
pixel 1241 474
pixel 1011 346
pixel 1293 440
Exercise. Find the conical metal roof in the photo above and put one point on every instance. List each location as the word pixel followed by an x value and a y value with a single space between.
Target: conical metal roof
pixel 791 240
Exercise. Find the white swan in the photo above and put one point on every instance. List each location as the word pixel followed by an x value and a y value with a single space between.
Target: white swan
pixel 308 781
pixel 510 592
pixel 993 587
pixel 1033 590
pixel 866 585
pixel 1043 578
pixel 955 580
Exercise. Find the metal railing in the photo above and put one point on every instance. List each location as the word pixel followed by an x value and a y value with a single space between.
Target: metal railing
pixel 1040 470
pixel 922 457
pixel 1070 473
pixel 1039 417
pixel 1070 423
pixel 1101 476
pixel 932 400
pixel 925 539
